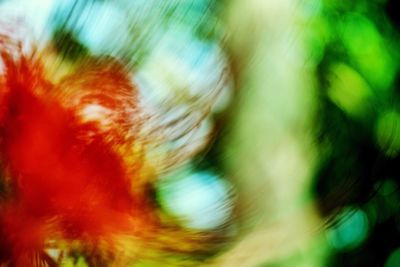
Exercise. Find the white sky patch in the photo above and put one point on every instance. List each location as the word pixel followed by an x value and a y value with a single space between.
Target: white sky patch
pixel 53 253
pixel 35 15
pixel 96 112
pixel 102 27
pixel 181 67
pixel 201 199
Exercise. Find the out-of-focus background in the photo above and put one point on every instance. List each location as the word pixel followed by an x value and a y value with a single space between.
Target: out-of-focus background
pixel 281 119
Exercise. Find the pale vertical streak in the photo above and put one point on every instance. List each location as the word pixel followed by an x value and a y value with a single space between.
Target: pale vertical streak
pixel 270 150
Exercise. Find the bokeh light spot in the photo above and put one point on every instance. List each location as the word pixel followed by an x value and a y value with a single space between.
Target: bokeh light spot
pixel 351 230
pixel 372 57
pixel 348 90
pixel 388 132
pixel 394 259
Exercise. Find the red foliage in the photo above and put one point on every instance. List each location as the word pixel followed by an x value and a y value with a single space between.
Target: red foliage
pixel 66 175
